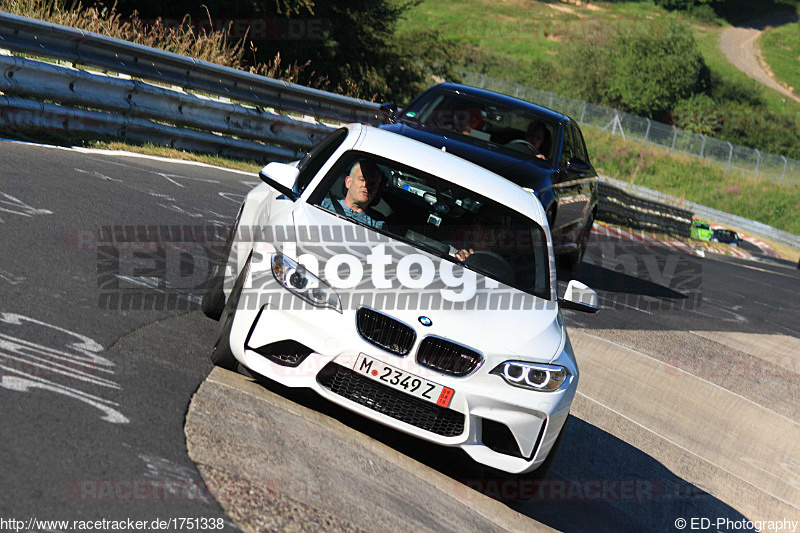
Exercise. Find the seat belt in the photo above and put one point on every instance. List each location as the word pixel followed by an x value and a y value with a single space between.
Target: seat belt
pixel 337 206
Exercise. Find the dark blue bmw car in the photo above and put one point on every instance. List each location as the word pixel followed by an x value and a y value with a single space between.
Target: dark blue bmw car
pixel 535 147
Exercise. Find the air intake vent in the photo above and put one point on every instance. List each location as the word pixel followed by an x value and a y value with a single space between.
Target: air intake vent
pixel 384 331
pixel 386 400
pixel 447 357
pixel 286 353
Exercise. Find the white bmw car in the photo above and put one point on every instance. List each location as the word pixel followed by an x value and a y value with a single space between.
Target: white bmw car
pixel 409 286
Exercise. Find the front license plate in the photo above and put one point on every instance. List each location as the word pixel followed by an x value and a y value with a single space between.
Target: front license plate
pixel 403 381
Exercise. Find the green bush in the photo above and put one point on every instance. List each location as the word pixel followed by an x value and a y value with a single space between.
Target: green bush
pixel 644 69
pixel 655 70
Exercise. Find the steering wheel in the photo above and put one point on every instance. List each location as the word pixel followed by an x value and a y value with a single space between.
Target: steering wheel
pixel 523 142
pixel 492 263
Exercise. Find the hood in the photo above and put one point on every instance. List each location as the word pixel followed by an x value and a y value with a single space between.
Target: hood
pixel 529 174
pixel 367 268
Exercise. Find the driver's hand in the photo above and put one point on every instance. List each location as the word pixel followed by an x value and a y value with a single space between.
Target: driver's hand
pixel 463 253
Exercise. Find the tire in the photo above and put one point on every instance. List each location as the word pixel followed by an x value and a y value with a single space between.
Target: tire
pixel 214 297
pixel 572 260
pixel 222 355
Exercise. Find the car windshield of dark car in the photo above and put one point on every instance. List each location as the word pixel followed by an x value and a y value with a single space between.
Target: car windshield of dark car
pixel 513 131
pixel 442 218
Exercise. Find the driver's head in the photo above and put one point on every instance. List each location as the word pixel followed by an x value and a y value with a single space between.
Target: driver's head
pixel 363 184
pixel 536 134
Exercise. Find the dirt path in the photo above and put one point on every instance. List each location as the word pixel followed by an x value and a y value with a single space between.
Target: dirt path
pixel 738 45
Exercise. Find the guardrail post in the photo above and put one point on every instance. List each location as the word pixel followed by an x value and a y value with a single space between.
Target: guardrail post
pixel 483 80
pixel 516 92
pixel 583 112
pixel 550 105
pixel 647 131
pixel 703 146
pixel 783 174
pixel 758 161
pixel 730 158
pixel 674 138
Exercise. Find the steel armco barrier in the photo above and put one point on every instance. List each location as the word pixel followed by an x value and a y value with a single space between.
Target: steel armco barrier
pixel 618 207
pixel 142 111
pixel 40 38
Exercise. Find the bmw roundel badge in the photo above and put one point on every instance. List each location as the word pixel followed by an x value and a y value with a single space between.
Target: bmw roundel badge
pixel 425 321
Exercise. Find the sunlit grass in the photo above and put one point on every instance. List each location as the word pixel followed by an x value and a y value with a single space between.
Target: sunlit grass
pixel 780 48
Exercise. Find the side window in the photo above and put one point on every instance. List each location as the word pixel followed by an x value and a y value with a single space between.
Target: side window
pixel 317 157
pixel 569 147
pixel 580 146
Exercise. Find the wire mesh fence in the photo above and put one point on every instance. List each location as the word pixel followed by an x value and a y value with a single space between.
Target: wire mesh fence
pixel 732 157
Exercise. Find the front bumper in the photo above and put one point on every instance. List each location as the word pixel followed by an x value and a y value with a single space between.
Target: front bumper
pixel 498 425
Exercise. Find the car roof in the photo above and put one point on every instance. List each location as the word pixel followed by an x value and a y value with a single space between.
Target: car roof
pixel 503 99
pixel 448 166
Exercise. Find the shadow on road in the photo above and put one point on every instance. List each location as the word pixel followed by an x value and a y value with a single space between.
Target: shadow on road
pixel 598 482
pixel 627 274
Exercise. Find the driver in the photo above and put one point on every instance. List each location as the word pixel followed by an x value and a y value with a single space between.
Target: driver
pixel 539 137
pixel 363 185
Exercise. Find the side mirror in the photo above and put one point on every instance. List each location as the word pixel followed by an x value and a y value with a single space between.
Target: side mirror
pixel 280 177
pixel 389 110
pixel 579 297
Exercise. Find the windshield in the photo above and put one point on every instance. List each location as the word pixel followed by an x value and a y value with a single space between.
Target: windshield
pixel 440 217
pixel 513 131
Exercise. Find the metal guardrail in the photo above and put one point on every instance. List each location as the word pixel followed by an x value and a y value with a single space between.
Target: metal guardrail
pixel 618 207
pixel 136 99
pixel 39 38
pixel 142 111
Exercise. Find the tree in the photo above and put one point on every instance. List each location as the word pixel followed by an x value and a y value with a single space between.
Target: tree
pixel 655 66
pixel 644 69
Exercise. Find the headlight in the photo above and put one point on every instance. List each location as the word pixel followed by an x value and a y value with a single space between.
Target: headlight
pixel 533 376
pixel 297 280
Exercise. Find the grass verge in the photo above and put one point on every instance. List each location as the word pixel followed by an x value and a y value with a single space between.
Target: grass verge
pixel 780 48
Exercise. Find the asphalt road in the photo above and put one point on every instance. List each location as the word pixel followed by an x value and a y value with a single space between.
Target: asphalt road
pixel 92 425
pixel 95 397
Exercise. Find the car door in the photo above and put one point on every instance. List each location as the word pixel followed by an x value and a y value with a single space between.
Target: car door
pixel 574 182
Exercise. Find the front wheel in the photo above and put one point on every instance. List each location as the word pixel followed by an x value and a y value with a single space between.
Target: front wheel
pixel 221 354
pixel 214 297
